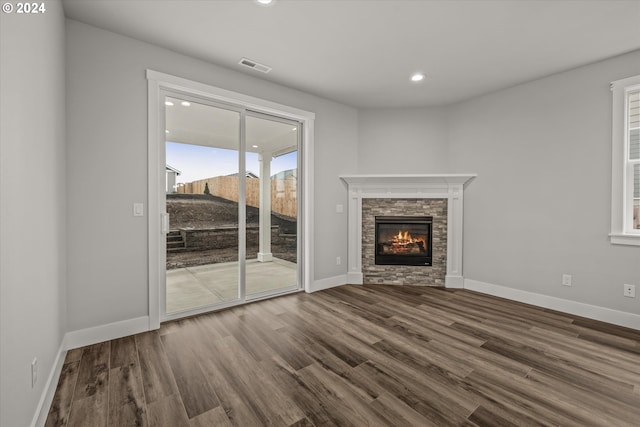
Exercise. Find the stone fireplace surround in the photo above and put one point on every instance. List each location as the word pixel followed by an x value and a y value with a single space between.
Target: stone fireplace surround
pixel 417 189
pixel 433 275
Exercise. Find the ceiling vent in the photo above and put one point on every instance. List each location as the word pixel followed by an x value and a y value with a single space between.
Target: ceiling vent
pixel 254 65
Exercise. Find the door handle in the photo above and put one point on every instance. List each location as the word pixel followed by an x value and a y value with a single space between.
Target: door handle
pixel 164 223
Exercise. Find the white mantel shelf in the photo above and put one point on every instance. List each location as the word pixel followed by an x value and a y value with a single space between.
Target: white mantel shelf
pixel 431 186
pixel 407 180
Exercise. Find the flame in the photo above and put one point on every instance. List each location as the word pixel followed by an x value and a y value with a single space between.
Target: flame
pixel 404 238
pixel 403 242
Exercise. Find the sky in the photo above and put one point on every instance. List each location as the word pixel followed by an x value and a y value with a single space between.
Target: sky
pixel 199 162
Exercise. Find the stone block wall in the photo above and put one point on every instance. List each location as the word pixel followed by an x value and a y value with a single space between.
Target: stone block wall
pixel 405 274
pixel 227 238
pixel 214 238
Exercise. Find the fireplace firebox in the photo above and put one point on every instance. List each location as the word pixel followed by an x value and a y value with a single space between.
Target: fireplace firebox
pixel 403 240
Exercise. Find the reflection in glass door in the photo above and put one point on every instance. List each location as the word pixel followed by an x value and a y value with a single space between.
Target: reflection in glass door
pixel 272 205
pixel 202 194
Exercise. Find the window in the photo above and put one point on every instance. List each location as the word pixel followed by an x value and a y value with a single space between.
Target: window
pixel 625 196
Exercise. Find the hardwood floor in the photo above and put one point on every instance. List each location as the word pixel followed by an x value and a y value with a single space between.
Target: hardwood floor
pixel 360 355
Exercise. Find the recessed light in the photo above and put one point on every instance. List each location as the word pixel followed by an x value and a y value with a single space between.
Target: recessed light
pixel 265 1
pixel 185 103
pixel 254 146
pixel 168 103
pixel 166 131
pixel 417 77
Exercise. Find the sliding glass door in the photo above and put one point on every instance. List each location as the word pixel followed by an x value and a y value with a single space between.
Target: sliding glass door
pixel 272 205
pixel 231 203
pixel 202 160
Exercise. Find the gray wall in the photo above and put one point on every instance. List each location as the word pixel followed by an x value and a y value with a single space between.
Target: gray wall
pixel 400 141
pixel 32 206
pixel 107 158
pixel 540 206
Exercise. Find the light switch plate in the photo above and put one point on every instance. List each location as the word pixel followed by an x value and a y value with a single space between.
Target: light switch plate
pixel 138 209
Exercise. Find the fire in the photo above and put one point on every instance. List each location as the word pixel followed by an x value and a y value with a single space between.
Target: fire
pixel 404 242
pixel 403 238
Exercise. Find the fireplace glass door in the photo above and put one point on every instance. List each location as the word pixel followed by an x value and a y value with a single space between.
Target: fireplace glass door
pixel 403 240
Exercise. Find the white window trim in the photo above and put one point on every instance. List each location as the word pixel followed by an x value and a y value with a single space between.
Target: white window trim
pixel 621 195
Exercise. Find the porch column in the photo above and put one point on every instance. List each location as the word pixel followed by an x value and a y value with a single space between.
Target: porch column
pixel 264 254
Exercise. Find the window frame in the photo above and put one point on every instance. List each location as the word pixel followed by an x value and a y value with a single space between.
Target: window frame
pixel 622 231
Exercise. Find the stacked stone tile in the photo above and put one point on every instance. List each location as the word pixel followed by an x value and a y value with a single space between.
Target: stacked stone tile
pixel 404 274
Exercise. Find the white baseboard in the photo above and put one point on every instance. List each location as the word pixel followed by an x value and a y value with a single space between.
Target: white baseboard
pixel 49 390
pixel 453 282
pixel 110 331
pixel 620 318
pixel 329 282
pixel 355 278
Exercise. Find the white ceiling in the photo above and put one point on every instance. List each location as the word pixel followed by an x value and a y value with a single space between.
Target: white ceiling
pixel 200 124
pixel 361 53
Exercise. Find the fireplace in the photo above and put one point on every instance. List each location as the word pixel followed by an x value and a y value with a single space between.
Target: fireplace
pixel 403 240
pixel 439 196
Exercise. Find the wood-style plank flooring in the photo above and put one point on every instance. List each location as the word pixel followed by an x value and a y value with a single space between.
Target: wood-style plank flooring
pixel 360 355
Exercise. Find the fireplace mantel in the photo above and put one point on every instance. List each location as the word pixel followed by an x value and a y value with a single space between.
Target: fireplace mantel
pixel 431 186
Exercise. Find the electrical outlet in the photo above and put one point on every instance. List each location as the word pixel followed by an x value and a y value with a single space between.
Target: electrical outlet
pixel 630 291
pixel 34 372
pixel 338 260
pixel 566 279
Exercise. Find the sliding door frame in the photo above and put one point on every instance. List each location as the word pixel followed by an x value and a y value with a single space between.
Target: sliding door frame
pixel 300 232
pixel 158 85
pixel 241 249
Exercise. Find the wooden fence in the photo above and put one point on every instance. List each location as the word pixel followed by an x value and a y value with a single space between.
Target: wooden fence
pixel 283 192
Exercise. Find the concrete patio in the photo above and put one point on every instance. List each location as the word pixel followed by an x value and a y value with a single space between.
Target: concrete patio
pixel 199 286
